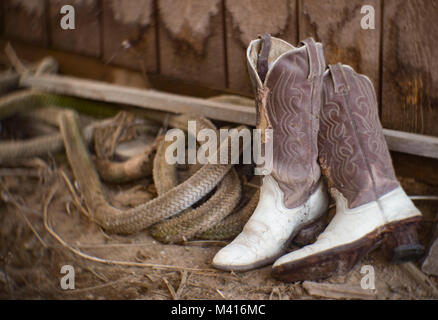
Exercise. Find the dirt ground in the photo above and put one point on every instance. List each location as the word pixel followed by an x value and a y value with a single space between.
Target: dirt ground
pixel 31 258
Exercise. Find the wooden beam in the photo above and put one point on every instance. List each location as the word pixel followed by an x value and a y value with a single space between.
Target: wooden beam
pixel 412 143
pixel 149 99
pixel 426 146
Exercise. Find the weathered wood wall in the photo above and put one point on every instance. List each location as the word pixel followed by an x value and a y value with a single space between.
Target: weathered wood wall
pixel 245 20
pixel 191 42
pixel 343 38
pixel 129 34
pixel 410 66
pixel 26 20
pixel 204 42
pixel 87 19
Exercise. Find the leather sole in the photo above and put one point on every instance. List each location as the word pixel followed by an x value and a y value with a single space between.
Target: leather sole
pixel 343 258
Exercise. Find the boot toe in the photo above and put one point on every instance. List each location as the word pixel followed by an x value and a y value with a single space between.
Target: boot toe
pixel 235 257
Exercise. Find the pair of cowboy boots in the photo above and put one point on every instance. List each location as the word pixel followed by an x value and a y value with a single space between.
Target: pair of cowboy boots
pixel 324 122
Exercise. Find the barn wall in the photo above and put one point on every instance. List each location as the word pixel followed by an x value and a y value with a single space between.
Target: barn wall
pixel 203 42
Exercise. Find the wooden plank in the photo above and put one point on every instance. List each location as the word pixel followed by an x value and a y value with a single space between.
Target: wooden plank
pixel 245 20
pixel 337 25
pixel 410 66
pixel 421 145
pixel 26 20
pixel 151 99
pixel 191 41
pixel 129 34
pixel 85 39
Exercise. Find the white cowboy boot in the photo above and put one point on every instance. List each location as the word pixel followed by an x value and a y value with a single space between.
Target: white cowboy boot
pixel 288 83
pixel 371 207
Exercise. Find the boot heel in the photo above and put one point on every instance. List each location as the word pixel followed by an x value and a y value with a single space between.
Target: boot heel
pixel 309 233
pixel 401 245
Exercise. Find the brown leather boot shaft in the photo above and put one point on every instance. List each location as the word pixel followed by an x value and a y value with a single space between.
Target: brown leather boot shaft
pixel 352 149
pixel 288 101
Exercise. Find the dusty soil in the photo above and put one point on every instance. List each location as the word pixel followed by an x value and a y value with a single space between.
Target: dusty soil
pixel 31 258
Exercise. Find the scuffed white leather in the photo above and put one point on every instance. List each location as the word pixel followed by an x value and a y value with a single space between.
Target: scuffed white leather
pixel 350 225
pixel 397 205
pixel 270 227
